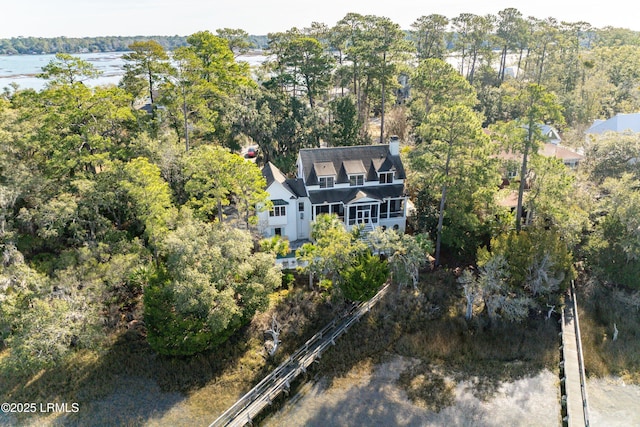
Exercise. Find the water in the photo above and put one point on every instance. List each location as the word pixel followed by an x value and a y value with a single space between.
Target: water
pixel 22 69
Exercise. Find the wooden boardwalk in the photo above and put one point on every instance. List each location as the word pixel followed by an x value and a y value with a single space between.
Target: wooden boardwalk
pixel 573 383
pixel 279 381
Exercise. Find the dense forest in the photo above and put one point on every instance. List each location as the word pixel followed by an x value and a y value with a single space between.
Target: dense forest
pixel 130 207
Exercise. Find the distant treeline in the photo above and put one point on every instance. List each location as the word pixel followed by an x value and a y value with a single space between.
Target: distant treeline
pixel 40 45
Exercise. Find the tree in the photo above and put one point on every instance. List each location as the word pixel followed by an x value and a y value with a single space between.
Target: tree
pixel 152 198
pixel 611 155
pixel 280 124
pixel 333 250
pixel 346 129
pixel 535 261
pixel 435 82
pixel 404 253
pixel 206 80
pixel 362 279
pixel 428 35
pixel 614 248
pixel 238 40
pixel 67 69
pixel 388 40
pixel 522 272
pixel 555 199
pixel 301 61
pixel 373 46
pixel 454 146
pixel 212 285
pixel 215 177
pixel 535 105
pixel 472 291
pixel 499 301
pixel 146 66
pixel 510 31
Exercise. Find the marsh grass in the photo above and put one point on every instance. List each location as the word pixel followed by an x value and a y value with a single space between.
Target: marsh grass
pixel 209 382
pixel 599 308
pixel 428 325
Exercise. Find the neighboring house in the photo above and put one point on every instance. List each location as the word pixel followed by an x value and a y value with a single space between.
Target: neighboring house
pixel 550 148
pixel 361 184
pixel 551 134
pixel 512 161
pixel 618 123
pixel 569 157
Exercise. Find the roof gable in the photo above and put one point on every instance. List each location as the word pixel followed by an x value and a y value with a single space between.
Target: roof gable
pixel 294 186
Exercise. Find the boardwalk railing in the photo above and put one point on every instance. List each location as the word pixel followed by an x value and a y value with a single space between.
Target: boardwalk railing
pixel 583 378
pixel 248 406
pixel 573 379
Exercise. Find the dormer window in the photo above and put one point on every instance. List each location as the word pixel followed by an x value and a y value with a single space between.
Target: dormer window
pixel 386 177
pixel 326 181
pixel 356 180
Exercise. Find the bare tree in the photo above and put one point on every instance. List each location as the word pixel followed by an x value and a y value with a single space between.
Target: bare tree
pixel 472 291
pixel 273 344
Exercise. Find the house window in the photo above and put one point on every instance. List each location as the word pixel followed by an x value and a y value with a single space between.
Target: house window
pixel 277 231
pixel 386 177
pixel 356 180
pixel 326 181
pixel 396 208
pixel 300 206
pixel 278 211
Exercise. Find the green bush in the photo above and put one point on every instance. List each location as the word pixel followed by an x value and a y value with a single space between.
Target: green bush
pixel 361 280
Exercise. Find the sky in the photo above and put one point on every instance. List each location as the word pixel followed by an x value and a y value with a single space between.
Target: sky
pixel 90 18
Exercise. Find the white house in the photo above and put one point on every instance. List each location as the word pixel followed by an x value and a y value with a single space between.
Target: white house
pixel 361 184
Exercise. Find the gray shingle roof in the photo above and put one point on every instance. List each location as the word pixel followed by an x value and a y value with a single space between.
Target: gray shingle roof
pixel 349 195
pixel 294 185
pixel 373 158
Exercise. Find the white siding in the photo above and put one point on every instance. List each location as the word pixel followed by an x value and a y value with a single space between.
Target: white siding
pixel 287 224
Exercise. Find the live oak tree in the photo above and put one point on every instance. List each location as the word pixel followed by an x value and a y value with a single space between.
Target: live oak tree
pixel 216 177
pixel 555 199
pixel 405 254
pixel 211 284
pixel 332 251
pixel 152 198
pixel 611 155
pixel 522 272
pixel 614 249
